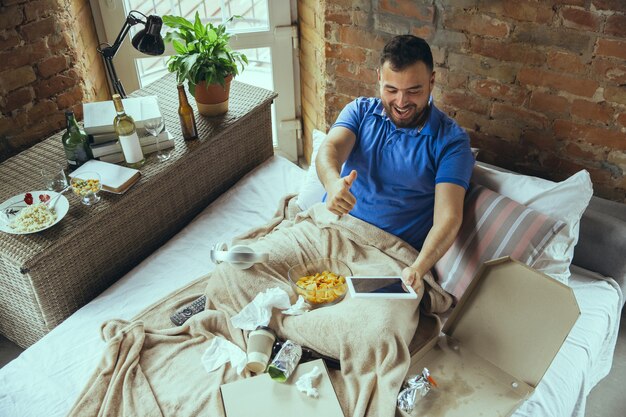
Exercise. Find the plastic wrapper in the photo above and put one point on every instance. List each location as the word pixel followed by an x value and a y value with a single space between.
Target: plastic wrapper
pixel 421 383
pixel 285 361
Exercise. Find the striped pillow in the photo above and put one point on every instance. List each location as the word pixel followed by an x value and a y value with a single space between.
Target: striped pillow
pixel 493 226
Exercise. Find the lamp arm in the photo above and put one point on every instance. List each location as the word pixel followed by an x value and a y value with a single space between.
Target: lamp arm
pixel 110 50
pixel 115 81
pixel 130 21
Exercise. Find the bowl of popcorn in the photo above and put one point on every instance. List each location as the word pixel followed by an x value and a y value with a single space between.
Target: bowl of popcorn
pixel 321 282
pixel 87 185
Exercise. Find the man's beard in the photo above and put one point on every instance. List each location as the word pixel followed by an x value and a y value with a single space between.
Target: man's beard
pixel 415 120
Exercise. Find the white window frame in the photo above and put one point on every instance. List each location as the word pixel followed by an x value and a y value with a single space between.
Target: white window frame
pixel 281 38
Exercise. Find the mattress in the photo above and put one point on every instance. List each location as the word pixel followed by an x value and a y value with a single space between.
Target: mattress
pixel 47 378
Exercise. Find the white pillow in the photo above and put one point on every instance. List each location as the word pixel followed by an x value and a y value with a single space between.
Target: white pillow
pixel 565 200
pixel 312 190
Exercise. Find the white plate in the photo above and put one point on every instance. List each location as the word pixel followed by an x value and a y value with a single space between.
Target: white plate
pixel 11 207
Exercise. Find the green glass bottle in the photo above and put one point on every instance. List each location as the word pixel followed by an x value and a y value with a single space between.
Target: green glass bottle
pixel 125 128
pixel 75 143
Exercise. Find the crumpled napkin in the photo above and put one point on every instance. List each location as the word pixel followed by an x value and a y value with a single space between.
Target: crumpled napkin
pixel 307 382
pixel 259 311
pixel 221 351
pixel 298 308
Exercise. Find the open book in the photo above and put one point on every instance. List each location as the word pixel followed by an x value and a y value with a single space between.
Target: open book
pixel 115 178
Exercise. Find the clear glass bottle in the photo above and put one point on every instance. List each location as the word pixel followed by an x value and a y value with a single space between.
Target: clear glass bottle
pixel 124 126
pixel 185 112
pixel 75 143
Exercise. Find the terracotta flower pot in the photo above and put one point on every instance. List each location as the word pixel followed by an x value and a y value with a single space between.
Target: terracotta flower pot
pixel 212 100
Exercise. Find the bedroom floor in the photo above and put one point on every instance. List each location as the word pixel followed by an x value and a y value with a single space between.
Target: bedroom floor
pixel 606 399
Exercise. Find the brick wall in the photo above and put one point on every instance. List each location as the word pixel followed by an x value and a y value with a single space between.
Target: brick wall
pixel 48 64
pixel 539 86
pixel 313 74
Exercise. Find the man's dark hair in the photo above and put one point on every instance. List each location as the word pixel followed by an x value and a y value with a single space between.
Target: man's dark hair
pixel 405 50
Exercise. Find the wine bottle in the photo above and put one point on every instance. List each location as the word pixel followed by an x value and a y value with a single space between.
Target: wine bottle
pixel 75 143
pixel 185 112
pixel 124 126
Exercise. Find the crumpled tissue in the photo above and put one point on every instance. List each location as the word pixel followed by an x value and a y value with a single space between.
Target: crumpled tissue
pixel 307 382
pixel 221 351
pixel 259 311
pixel 298 308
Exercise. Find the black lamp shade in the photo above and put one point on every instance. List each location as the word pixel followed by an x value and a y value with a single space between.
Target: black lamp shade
pixel 149 40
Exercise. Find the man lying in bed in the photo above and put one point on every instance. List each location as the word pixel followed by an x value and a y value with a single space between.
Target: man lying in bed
pixel 152 368
pixel 407 164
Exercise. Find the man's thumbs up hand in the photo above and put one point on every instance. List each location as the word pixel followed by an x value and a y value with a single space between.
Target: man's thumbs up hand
pixel 349 179
pixel 339 199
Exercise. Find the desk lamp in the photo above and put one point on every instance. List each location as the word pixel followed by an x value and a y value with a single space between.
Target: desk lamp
pixel 148 41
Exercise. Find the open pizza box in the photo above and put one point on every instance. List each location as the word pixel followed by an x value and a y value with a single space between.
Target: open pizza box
pixel 497 344
pixel 260 396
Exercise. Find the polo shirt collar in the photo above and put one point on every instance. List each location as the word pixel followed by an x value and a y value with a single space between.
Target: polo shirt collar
pixel 430 128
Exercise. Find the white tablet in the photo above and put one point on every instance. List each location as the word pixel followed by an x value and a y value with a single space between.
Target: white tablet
pixel 379 287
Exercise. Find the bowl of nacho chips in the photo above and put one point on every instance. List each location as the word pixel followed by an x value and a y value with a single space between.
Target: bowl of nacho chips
pixel 321 281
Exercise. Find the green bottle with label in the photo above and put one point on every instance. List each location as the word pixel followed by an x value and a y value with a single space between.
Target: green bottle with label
pixel 75 143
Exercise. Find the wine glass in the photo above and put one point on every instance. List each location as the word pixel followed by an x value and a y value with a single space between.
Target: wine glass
pixel 154 126
pixel 54 178
pixel 87 185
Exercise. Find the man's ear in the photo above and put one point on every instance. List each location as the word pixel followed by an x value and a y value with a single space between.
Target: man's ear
pixel 432 80
pixel 378 73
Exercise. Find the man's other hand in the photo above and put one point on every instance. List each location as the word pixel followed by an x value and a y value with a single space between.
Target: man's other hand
pixel 413 278
pixel 339 199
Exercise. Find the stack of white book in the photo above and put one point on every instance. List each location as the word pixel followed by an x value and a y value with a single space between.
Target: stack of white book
pixel 103 141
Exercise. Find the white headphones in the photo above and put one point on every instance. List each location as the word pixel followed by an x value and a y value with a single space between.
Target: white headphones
pixel 240 256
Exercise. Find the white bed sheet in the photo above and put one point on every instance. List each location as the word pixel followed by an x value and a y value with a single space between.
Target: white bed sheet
pixel 46 379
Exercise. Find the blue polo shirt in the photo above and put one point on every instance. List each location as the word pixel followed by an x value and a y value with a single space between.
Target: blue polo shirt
pixel 399 167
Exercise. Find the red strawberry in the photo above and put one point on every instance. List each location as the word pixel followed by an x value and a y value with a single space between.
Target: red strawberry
pixel 28 198
pixel 44 197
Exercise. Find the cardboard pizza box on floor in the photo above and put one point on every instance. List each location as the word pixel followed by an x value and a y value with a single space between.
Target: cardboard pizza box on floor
pixel 497 344
pixel 260 396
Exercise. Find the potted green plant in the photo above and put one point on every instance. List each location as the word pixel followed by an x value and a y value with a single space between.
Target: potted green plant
pixel 205 60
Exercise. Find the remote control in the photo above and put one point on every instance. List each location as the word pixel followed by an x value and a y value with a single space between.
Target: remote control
pixel 189 310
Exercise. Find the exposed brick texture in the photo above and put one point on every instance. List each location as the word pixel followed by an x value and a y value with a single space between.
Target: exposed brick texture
pixel 48 64
pixel 524 10
pixel 612 48
pixel 16 99
pixel 52 65
pixel 313 55
pixel 477 24
pixel 539 86
pixel 578 18
pixel 610 70
pixel 609 5
pixel 616 25
pixel 412 10
pixel 506 51
pixel 566 62
pixel 499 91
pixel 548 103
pixel 557 81
pixel 588 110
pixel 9 39
pixel 11 17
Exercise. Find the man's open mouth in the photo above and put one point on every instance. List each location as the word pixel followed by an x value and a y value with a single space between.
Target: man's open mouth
pixel 403 112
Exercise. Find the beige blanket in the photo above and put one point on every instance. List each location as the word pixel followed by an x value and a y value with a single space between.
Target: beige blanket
pixel 151 368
